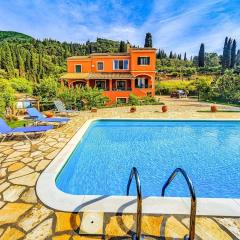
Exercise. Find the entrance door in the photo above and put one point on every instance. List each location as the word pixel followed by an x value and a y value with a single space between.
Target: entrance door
pixel 101 84
pixel 121 85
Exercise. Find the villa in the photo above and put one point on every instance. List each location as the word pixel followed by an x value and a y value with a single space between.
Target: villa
pixel 117 74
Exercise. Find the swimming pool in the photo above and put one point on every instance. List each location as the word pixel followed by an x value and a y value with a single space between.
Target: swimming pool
pixel 101 162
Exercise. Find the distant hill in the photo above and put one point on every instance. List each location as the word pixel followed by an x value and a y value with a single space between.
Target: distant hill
pixel 10 35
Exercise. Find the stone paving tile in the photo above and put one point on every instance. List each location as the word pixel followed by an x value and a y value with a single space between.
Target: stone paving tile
pixel 12 193
pixel 23 216
pixel 15 166
pixel 206 228
pixel 67 221
pixel 29 196
pixel 232 224
pixel 42 231
pixel 36 215
pixel 12 233
pixel 22 172
pixel 3 186
pixel 120 225
pixel 175 229
pixel 27 180
pixel 151 225
pixel 12 211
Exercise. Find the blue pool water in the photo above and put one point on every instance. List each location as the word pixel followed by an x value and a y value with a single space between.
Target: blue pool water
pixel 208 151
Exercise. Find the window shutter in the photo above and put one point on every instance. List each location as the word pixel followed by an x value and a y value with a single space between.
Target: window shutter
pixel 139 60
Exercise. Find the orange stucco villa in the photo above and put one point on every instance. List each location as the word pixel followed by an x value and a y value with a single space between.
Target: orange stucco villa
pixel 117 74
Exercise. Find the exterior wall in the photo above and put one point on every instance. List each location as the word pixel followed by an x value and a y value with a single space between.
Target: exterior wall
pixel 89 65
pixel 86 65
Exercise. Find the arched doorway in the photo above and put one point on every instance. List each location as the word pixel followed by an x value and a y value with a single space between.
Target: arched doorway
pixel 143 81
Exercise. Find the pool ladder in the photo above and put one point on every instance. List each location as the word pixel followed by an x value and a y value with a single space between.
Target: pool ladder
pixel 134 173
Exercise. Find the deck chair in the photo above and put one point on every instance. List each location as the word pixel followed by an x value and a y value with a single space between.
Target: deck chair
pixel 6 131
pixel 61 108
pixel 39 117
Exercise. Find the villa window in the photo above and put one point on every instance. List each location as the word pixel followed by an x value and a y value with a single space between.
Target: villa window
pixel 121 100
pixel 78 68
pixel 100 66
pixel 143 60
pixel 141 83
pixel 120 64
pixel 101 84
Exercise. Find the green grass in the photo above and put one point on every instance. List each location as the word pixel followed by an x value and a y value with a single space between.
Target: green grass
pixel 18 123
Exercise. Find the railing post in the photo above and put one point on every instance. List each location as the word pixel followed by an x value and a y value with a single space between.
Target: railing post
pixel 134 173
pixel 193 199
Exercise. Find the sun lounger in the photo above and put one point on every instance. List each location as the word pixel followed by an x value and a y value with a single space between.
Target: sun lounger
pixel 61 108
pixel 39 117
pixel 6 131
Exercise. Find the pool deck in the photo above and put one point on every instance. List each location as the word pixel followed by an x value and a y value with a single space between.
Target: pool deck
pixel 24 216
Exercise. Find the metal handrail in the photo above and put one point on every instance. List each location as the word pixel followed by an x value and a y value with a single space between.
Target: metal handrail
pixel 193 198
pixel 134 173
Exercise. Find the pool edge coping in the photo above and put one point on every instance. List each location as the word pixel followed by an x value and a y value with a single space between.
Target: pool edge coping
pixel 53 197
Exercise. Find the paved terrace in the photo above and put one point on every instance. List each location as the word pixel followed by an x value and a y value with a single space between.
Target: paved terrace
pixel 23 216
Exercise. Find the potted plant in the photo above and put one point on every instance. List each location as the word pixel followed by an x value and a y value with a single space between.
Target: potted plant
pixel 214 108
pixel 164 108
pixel 94 109
pixel 133 109
pixel 49 114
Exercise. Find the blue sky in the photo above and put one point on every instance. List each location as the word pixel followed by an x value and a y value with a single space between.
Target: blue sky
pixel 178 25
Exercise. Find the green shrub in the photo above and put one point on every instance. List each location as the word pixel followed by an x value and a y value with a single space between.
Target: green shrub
pixel 2 106
pixel 133 99
pixel 21 85
pixel 227 87
pixel 166 87
pixel 7 93
pixel 46 89
pixel 74 96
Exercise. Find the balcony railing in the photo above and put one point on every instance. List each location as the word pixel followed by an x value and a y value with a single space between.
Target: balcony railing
pixel 125 90
pixel 121 89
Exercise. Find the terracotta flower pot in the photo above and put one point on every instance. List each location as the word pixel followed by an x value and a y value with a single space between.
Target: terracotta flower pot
pixel 164 108
pixel 133 109
pixel 93 109
pixel 49 114
pixel 213 108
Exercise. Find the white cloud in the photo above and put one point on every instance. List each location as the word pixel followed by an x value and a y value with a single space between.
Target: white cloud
pixel 178 27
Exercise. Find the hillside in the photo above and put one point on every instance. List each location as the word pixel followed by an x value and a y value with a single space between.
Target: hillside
pixel 24 56
pixel 10 35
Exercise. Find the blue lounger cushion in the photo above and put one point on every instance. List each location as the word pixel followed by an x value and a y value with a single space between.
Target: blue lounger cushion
pixel 35 114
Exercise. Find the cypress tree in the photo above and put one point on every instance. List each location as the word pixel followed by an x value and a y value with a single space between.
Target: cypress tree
pixel 28 61
pixel 224 56
pixel 171 55
pixel 20 64
pixel 185 56
pixel 238 58
pixel 148 40
pixel 122 47
pixel 8 62
pixel 40 67
pixel 233 54
pixel 201 56
pixel 228 53
pixel 158 54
